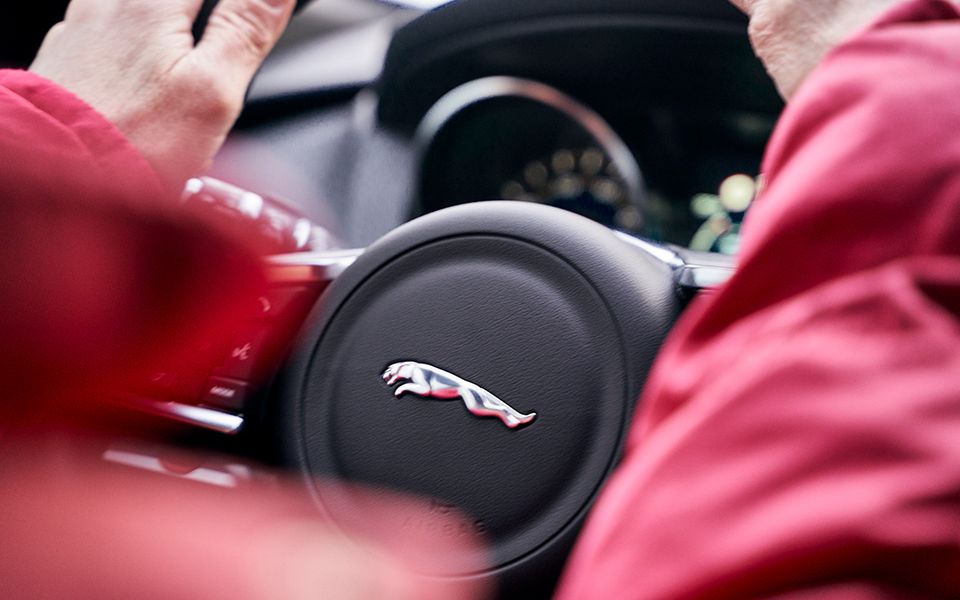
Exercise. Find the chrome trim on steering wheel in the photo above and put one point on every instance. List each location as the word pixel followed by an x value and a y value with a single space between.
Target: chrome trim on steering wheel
pixel 198 416
pixel 692 271
pixel 310 267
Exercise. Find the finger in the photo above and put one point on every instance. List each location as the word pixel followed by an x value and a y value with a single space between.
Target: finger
pixel 83 9
pixel 240 34
pixel 744 5
pixel 79 10
pixel 55 32
pixel 152 19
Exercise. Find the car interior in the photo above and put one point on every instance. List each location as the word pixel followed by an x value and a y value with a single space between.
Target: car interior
pixel 505 204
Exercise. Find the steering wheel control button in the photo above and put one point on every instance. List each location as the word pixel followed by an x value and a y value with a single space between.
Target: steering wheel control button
pixel 182 384
pixel 276 221
pixel 280 302
pixel 430 382
pixel 537 320
pixel 227 394
pixel 247 355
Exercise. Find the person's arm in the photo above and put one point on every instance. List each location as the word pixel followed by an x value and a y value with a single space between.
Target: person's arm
pixel 792 37
pixel 799 436
pixel 136 63
pixel 100 270
pixel 864 165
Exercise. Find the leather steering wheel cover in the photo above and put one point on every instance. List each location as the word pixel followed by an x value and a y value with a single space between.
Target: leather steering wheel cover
pixel 631 292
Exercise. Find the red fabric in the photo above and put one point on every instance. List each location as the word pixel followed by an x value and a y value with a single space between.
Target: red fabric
pixel 100 271
pixel 41 119
pixel 100 274
pixel 800 435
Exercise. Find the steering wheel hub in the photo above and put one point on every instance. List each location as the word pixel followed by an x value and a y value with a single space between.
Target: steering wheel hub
pixel 488 357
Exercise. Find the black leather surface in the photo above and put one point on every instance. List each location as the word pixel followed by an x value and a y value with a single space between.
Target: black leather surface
pixel 547 310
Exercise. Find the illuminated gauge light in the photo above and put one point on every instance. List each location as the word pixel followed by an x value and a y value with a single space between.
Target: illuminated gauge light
pixel 607 191
pixel 612 171
pixel 563 161
pixel 577 180
pixel 730 243
pixel 591 162
pixel 536 174
pixel 512 190
pixel 737 193
pixel 706 205
pixel 706 237
pixel 719 225
pixel 567 186
pixel 629 217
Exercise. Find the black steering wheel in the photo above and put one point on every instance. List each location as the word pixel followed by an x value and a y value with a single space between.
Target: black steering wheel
pixel 488 356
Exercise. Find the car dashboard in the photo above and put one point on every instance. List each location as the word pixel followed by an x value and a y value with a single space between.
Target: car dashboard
pixel 398 134
pixel 649 117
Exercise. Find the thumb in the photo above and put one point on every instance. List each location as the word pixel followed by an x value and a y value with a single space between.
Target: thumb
pixel 239 36
pixel 744 5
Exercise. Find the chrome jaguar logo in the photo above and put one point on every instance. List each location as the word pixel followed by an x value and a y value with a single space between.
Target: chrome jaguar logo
pixel 430 382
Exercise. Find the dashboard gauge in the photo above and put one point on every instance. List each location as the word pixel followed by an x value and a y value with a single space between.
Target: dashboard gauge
pixel 584 181
pixel 506 138
pixel 722 214
pixel 502 138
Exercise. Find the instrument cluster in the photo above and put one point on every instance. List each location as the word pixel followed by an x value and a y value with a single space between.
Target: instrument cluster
pixel 673 178
pixel 582 180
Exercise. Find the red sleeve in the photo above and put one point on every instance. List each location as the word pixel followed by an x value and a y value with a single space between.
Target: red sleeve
pixel 99 268
pixel 41 120
pixel 800 436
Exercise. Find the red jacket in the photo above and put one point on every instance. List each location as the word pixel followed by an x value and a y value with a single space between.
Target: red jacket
pixel 99 268
pixel 801 433
pixel 800 436
pixel 99 271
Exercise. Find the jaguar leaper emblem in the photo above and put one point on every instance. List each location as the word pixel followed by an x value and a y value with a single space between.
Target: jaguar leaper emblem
pixel 430 382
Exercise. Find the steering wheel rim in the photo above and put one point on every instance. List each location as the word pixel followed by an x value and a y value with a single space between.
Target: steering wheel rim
pixel 638 285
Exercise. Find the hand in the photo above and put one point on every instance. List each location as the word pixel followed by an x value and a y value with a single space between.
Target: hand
pixel 78 525
pixel 135 62
pixel 791 37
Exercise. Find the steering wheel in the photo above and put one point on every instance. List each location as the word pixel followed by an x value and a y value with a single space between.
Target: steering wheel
pixel 488 356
